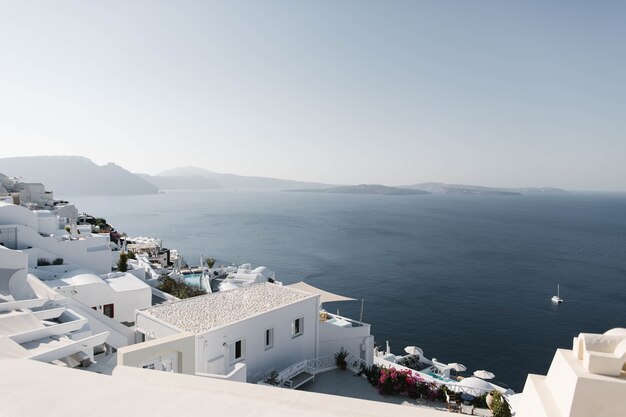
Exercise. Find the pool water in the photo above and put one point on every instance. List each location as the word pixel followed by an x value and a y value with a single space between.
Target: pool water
pixel 193 279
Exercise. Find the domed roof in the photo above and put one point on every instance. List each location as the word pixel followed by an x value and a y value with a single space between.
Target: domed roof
pixel 81 277
pixel 263 271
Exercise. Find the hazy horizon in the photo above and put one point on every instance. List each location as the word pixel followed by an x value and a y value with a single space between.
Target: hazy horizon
pixel 481 93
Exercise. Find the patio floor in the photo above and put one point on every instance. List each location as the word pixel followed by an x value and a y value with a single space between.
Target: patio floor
pixel 347 384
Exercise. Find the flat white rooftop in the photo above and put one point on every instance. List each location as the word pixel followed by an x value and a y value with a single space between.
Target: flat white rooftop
pixel 199 314
pixel 25 391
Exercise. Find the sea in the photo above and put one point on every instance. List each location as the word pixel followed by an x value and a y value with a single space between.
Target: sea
pixel 467 278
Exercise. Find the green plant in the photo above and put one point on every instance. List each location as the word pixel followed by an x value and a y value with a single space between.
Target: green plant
pixel 372 373
pixel 480 402
pixel 500 408
pixel 58 261
pixel 210 262
pixel 122 263
pixel 178 288
pixel 340 358
pixel 131 255
pixel 43 262
pixel 272 379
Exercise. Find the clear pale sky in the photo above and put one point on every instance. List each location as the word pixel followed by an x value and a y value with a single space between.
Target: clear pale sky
pixel 495 93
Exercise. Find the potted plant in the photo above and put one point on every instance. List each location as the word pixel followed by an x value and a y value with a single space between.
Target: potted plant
pixel 340 359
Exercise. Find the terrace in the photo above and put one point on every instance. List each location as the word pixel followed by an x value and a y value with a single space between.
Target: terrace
pixel 348 384
pixel 322 376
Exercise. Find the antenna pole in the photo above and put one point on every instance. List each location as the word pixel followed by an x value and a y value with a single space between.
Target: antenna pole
pixel 362 302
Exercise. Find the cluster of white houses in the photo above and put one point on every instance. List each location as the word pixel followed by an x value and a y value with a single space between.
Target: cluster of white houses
pixel 62 303
pixel 60 268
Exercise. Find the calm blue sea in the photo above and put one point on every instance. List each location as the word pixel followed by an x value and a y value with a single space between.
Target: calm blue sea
pixel 466 278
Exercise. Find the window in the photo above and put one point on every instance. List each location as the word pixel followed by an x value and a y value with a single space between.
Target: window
pixel 297 327
pixel 238 351
pixel 149 366
pixel 108 310
pixel 269 338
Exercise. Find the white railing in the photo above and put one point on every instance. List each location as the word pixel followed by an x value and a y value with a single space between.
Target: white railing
pixel 353 323
pixel 453 386
pixel 322 363
pixel 285 376
pixel 355 364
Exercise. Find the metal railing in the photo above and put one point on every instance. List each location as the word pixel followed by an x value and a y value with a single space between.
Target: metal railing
pixel 328 316
pixel 322 363
pixel 355 364
pixel 286 375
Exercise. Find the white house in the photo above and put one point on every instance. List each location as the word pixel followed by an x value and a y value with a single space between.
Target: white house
pixel 37 323
pixel 116 295
pixel 39 233
pixel 266 327
pixel 244 334
pixel 588 380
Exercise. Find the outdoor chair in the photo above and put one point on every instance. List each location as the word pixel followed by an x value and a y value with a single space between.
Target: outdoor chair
pixel 453 402
pixel 467 409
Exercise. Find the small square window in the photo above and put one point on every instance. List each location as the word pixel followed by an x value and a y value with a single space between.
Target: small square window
pixel 109 310
pixel 269 338
pixel 297 327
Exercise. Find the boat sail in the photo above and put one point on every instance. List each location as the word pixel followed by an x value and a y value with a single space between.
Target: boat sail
pixel 557 298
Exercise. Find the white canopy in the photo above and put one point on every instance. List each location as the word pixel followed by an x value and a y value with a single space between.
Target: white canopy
pixel 325 296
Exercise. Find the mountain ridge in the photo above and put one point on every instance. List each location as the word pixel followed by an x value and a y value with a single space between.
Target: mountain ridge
pixel 76 175
pixel 233 180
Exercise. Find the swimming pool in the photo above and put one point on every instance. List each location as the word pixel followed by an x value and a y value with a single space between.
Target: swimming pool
pixel 439 377
pixel 194 279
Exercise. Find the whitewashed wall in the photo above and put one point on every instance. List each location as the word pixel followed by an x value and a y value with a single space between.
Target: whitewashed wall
pixel 356 340
pixel 97 295
pixel 286 351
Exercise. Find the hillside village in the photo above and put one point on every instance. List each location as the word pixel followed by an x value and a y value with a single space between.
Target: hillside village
pixel 80 302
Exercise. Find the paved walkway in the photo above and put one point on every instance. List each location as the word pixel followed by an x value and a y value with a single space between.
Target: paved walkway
pixel 347 384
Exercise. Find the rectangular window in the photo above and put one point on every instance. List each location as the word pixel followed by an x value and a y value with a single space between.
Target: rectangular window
pixel 108 310
pixel 297 327
pixel 238 351
pixel 269 338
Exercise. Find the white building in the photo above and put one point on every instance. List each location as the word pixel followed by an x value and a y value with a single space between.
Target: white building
pixel 266 327
pixel 116 295
pixel 589 380
pixel 37 323
pixel 40 233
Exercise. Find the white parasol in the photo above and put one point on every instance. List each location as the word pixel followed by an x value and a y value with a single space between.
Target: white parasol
pixel 456 366
pixel 414 350
pixel 484 374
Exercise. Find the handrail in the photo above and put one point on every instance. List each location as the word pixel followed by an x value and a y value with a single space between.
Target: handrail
pixel 354 323
pixel 322 362
pixel 311 366
pixel 355 363
pixel 451 385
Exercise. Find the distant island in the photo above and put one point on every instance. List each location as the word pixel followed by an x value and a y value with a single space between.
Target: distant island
pixel 441 188
pixel 194 178
pixel 363 189
pixel 77 175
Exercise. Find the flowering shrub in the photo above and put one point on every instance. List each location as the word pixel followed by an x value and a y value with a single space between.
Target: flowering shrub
pixel 395 381
pixel 392 381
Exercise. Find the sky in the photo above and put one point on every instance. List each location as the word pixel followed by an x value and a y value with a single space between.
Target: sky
pixel 493 93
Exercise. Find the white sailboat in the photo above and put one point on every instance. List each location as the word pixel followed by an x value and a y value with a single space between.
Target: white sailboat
pixel 556 298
